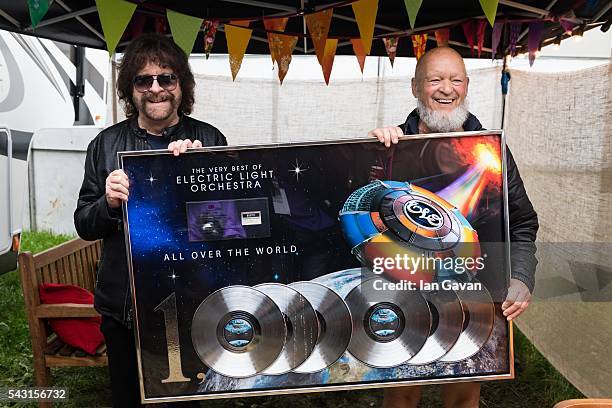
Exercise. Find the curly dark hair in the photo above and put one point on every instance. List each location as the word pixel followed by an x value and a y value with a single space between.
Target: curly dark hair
pixel 160 50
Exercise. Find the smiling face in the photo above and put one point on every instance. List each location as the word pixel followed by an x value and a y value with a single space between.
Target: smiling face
pixel 441 85
pixel 157 104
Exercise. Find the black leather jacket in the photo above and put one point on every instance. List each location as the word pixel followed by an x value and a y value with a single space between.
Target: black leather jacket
pixel 93 218
pixel 523 219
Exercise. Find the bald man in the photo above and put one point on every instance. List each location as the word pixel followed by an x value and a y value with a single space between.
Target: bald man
pixel 440 85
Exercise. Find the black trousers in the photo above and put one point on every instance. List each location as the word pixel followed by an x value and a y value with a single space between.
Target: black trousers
pixel 123 366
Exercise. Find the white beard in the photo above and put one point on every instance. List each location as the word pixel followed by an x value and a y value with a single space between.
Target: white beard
pixel 442 122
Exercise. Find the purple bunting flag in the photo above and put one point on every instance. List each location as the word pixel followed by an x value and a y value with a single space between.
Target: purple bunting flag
pixel 535 37
pixel 498 27
pixel 515 30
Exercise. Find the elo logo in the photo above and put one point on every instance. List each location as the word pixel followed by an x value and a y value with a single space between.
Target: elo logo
pixel 423 214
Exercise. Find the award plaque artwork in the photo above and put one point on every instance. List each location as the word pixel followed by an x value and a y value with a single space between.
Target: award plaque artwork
pixel 306 267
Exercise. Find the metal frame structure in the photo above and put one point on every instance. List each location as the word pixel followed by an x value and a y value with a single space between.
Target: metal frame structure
pixel 391 20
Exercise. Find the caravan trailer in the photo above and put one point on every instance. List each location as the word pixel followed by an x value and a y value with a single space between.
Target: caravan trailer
pixel 37 89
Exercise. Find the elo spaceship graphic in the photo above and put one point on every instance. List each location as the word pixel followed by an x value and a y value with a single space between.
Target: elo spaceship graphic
pixel 391 219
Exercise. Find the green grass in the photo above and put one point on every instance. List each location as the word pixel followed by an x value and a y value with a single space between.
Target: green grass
pixel 538 384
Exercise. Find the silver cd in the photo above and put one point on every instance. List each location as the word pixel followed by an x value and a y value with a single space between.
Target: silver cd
pixel 479 312
pixel 238 331
pixel 302 327
pixel 447 322
pixel 391 326
pixel 334 326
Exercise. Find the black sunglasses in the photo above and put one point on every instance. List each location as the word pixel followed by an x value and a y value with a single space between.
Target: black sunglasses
pixel 142 83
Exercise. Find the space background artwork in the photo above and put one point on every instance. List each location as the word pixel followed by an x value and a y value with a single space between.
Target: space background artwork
pixel 318 265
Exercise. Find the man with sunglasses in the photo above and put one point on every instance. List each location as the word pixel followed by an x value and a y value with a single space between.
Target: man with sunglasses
pixel 156 88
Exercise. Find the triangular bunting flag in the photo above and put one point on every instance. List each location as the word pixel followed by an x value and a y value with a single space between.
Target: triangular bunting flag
pixel 391 47
pixel 468 31
pixel 114 15
pixel 412 7
pixel 496 37
pixel 184 29
pixel 274 24
pixel 359 52
pixel 160 25
pixel 480 35
pixel 210 31
pixel 442 37
pixel 241 23
pixel 490 9
pixel 365 14
pixel 282 45
pixel 237 42
pixel 568 26
pixel 535 37
pixel 138 24
pixel 318 26
pixel 515 30
pixel 419 44
pixel 328 57
pixel 38 9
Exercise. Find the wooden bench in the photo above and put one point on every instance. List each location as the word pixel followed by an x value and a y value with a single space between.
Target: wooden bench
pixel 73 262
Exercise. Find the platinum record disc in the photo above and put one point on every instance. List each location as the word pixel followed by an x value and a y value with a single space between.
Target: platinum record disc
pixel 391 326
pixel 335 326
pixel 479 313
pixel 302 327
pixel 238 331
pixel 446 325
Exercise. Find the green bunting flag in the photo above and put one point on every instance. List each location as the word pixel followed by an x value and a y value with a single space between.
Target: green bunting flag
pixel 490 9
pixel 114 15
pixel 412 7
pixel 184 29
pixel 38 9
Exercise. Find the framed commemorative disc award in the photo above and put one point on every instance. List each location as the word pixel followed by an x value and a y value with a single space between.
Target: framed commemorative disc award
pixel 319 266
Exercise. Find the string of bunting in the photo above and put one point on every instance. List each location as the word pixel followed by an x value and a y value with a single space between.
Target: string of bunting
pixel 115 16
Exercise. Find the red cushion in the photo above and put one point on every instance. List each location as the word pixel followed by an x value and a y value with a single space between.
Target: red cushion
pixel 80 332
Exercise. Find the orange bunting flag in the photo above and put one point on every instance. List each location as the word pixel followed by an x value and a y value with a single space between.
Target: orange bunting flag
pixel 359 52
pixel 365 14
pixel 442 37
pixel 274 24
pixel 237 42
pixel 391 47
pixel 327 61
pixel 419 44
pixel 318 26
pixel 281 46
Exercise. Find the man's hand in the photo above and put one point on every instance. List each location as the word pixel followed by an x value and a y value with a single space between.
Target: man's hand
pixel 180 146
pixel 517 300
pixel 387 135
pixel 117 185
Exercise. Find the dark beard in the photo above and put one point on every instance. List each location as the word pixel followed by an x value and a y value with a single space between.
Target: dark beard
pixel 145 99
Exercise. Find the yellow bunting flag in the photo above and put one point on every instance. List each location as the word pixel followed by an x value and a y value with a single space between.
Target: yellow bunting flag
pixel 391 47
pixel 282 46
pixel 318 26
pixel 419 44
pixel 237 42
pixel 412 7
pixel 114 15
pixel 359 52
pixel 328 57
pixel 442 37
pixel 490 9
pixel 365 14
pixel 274 24
pixel 184 29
